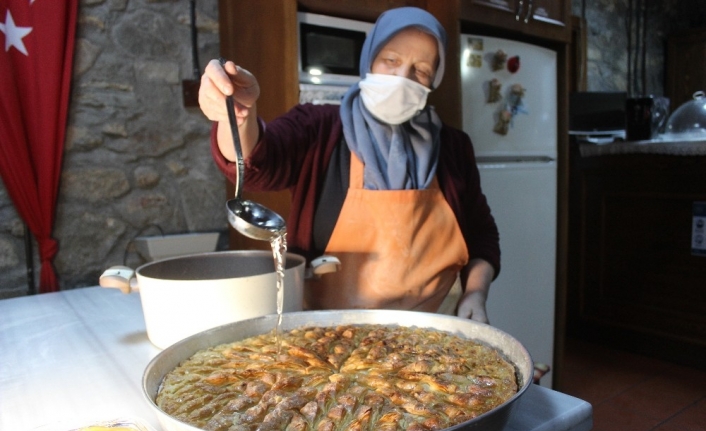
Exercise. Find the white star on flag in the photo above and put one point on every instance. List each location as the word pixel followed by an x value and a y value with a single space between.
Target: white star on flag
pixel 14 34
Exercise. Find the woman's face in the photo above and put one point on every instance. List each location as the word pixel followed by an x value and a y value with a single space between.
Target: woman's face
pixel 412 54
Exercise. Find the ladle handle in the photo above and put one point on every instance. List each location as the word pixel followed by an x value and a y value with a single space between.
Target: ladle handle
pixel 236 138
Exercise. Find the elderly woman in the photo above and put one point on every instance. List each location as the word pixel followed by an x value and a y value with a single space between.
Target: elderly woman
pixel 379 182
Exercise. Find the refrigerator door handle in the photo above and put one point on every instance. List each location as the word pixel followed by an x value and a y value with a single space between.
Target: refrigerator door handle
pixel 543 162
pixel 513 159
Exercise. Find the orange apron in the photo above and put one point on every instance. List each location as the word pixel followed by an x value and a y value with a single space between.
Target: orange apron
pixel 399 249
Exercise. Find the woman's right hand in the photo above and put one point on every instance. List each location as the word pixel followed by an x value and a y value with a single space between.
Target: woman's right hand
pixel 219 82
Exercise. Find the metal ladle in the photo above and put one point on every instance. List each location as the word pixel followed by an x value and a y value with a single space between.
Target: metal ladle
pixel 249 218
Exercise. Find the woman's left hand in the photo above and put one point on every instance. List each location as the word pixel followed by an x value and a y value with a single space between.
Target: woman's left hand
pixel 472 306
pixel 480 274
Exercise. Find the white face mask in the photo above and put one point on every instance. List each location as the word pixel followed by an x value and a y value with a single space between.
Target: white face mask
pixel 391 98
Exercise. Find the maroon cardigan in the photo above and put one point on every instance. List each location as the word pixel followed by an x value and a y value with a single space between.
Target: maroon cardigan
pixel 294 151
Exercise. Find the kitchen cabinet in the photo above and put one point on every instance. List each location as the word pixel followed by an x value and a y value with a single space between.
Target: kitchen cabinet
pixel 366 10
pixel 634 282
pixel 547 19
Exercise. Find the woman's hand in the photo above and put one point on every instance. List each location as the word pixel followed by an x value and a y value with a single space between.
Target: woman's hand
pixel 480 273
pixel 472 306
pixel 219 82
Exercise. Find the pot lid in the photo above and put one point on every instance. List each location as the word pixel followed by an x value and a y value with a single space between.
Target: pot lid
pixel 689 120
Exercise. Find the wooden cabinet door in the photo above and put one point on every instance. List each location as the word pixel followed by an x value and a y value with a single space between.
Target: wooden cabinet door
pixel 551 12
pixel 548 19
pixel 502 6
pixel 635 282
pixel 366 10
pixel 492 13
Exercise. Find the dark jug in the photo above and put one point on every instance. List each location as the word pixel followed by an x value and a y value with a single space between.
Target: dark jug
pixel 645 117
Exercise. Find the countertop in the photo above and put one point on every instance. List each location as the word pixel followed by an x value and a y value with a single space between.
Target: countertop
pixel 654 146
pixel 80 354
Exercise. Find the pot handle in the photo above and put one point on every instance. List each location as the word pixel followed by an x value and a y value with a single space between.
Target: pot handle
pixel 119 277
pixel 323 265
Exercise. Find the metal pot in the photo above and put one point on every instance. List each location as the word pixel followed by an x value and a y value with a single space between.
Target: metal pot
pixel 185 295
pixel 495 419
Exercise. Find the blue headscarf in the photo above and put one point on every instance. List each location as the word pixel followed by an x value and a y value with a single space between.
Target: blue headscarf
pixel 403 156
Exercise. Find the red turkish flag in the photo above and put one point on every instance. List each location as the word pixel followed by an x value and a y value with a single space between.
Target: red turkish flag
pixel 36 54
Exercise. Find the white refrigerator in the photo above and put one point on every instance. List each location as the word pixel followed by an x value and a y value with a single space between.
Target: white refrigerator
pixel 509 91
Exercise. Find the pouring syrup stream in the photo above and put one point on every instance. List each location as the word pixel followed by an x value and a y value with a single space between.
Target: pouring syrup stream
pixel 279 250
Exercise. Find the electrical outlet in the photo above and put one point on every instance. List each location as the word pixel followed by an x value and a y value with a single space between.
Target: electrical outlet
pixel 190 92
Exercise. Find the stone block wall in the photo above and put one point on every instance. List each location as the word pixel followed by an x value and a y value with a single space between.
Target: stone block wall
pixel 607 40
pixel 136 160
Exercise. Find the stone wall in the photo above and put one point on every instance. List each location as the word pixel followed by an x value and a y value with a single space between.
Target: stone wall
pixel 136 160
pixel 607 39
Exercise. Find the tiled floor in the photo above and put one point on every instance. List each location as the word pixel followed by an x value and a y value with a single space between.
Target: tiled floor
pixel 634 393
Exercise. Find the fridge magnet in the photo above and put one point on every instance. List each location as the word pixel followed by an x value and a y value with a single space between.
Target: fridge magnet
pixel 513 64
pixel 475 43
pixel 499 60
pixel 494 89
pixel 515 101
pixel 503 124
pixel 475 60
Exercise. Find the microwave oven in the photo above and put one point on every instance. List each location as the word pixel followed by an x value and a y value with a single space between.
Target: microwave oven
pixel 329 49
